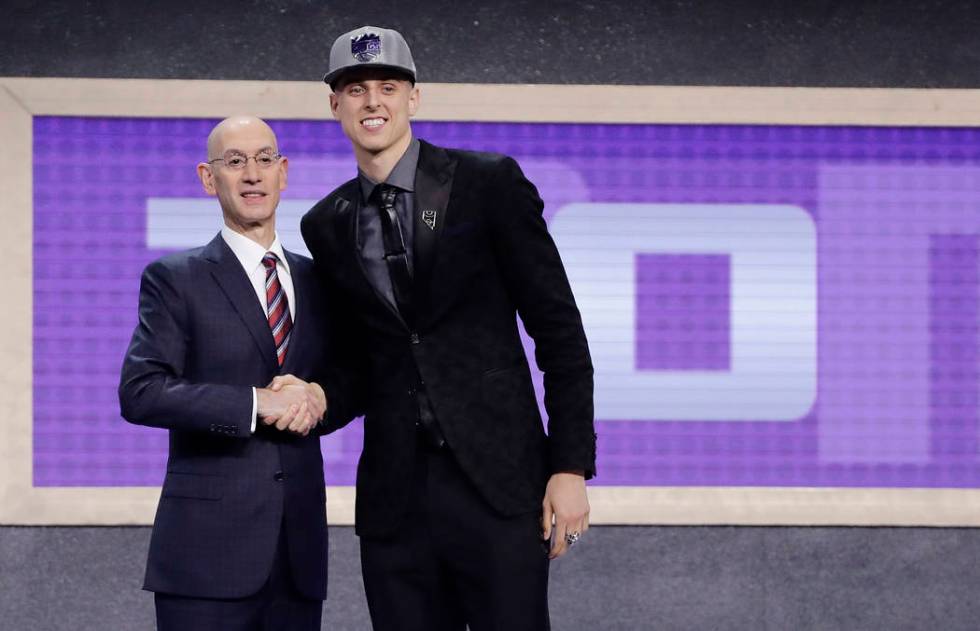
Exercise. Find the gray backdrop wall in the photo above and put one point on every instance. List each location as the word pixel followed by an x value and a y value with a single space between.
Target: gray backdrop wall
pixel 902 43
pixel 619 578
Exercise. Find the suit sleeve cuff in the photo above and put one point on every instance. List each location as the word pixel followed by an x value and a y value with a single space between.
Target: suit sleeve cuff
pixel 255 409
pixel 581 457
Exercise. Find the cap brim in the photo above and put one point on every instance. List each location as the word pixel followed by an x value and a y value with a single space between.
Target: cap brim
pixel 331 77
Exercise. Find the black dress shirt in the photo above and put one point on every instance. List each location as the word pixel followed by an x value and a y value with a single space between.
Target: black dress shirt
pixel 370 245
pixel 369 241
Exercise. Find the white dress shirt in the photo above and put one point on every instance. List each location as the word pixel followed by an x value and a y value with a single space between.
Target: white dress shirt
pixel 249 254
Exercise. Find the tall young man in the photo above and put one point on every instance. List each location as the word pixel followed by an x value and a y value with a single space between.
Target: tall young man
pixel 461 497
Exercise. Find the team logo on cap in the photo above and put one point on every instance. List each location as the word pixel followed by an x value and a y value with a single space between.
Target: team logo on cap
pixel 366 47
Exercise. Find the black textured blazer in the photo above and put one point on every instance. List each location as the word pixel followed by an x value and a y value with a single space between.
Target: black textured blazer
pixel 488 259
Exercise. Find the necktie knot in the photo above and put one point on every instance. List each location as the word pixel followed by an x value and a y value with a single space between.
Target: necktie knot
pixel 386 194
pixel 269 260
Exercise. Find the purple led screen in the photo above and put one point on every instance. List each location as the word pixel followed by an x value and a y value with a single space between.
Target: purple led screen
pixel 826 334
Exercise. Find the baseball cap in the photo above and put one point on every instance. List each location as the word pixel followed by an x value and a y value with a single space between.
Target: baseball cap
pixel 369 47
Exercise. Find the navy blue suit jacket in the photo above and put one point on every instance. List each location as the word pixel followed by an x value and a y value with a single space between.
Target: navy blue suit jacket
pixel 201 344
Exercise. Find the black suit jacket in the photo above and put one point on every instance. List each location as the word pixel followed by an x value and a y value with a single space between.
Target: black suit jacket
pixel 489 258
pixel 202 342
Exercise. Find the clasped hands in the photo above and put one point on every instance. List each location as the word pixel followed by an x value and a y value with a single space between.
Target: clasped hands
pixel 291 404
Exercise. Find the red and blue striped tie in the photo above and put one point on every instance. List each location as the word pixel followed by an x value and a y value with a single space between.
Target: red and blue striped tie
pixel 278 307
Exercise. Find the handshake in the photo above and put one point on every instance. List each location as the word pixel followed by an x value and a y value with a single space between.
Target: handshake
pixel 291 404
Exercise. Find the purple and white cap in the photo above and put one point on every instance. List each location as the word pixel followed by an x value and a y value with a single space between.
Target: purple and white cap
pixel 369 47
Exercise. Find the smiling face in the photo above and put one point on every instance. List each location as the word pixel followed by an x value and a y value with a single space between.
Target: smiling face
pixel 374 107
pixel 248 196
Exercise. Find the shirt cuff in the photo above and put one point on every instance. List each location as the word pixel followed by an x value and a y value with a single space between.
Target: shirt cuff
pixel 255 408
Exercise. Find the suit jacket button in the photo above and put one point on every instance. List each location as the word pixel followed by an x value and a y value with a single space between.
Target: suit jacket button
pixel 414 338
pixel 279 476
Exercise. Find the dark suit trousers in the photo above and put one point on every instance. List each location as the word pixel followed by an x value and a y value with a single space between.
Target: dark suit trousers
pixel 276 607
pixel 455 561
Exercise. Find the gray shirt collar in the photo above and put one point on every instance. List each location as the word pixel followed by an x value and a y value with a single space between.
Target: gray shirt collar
pixel 402 175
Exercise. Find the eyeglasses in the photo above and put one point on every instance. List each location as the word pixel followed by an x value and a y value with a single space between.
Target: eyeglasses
pixel 236 161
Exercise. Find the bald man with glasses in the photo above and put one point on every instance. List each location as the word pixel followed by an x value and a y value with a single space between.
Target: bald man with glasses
pixel 239 541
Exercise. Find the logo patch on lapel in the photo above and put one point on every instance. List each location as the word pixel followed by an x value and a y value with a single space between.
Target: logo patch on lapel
pixel 429 218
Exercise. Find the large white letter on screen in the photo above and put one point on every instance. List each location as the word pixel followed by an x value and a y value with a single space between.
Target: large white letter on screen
pixel 773 311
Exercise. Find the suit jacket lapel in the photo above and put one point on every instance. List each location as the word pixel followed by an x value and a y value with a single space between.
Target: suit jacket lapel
pixel 233 281
pixel 433 185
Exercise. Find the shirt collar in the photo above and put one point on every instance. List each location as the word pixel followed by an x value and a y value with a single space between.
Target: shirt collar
pixel 402 175
pixel 249 253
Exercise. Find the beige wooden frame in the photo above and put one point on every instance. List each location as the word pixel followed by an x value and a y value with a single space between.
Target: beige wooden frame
pixel 21 99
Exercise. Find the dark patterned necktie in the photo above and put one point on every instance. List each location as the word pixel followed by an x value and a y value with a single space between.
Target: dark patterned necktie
pixel 278 307
pixel 402 287
pixel 396 257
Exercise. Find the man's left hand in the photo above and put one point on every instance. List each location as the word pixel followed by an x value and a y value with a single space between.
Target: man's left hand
pixel 566 504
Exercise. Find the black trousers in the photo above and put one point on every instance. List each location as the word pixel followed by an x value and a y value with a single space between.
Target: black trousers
pixel 278 606
pixel 455 561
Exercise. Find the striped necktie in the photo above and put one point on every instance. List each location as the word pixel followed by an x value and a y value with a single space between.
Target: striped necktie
pixel 278 307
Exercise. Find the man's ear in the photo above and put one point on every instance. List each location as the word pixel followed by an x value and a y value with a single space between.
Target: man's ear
pixel 414 100
pixel 283 170
pixel 334 104
pixel 207 178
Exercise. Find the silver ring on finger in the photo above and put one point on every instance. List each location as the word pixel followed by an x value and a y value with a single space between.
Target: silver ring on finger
pixel 572 538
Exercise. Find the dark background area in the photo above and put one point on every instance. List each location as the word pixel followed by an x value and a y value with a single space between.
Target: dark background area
pixel 692 578
pixel 843 43
pixel 618 579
